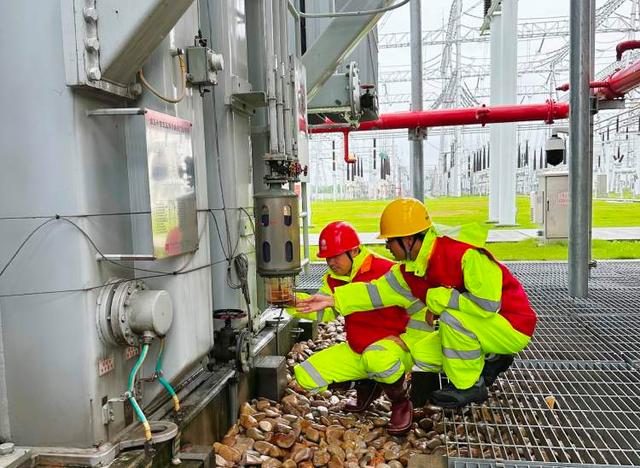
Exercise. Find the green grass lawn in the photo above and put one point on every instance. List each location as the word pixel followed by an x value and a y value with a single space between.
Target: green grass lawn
pixel 364 215
pixel 530 250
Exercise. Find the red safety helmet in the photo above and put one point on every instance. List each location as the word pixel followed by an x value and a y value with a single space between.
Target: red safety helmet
pixel 336 238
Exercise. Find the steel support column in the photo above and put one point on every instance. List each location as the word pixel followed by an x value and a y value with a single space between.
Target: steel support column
pixel 502 168
pixel 416 171
pixel 507 157
pixel 497 68
pixel 581 18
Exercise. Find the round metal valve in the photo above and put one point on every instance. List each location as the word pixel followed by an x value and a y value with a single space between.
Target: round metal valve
pixel 127 310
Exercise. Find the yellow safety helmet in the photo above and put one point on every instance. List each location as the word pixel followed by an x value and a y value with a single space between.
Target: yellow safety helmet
pixel 404 217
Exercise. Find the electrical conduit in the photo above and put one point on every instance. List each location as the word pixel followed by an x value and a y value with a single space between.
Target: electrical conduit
pixel 165 383
pixel 132 399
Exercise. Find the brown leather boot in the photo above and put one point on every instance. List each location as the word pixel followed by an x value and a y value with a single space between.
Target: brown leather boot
pixel 367 391
pixel 401 407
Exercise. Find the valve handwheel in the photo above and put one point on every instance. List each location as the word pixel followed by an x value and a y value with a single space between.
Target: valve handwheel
pixel 229 314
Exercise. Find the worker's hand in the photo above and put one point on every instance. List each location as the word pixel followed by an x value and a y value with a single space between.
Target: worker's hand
pixel 430 317
pixel 314 303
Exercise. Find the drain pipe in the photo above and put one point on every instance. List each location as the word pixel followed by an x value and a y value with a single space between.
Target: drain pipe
pixel 271 77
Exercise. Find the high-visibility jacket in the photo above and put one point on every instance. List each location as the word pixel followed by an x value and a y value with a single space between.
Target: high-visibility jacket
pixel 368 326
pixel 447 273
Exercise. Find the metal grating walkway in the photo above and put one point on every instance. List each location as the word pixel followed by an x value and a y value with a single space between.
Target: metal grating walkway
pixel 585 354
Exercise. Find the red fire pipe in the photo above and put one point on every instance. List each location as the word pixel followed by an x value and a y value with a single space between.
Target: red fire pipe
pixel 347 157
pixel 617 84
pixel 624 46
pixel 548 112
pixel 620 82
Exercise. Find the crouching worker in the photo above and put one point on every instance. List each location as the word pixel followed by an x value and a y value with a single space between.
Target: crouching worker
pixel 374 356
pixel 483 311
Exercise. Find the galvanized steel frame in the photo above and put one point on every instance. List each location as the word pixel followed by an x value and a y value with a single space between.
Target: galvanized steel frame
pixel 585 354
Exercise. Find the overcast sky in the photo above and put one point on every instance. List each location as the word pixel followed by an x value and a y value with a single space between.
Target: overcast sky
pixel 435 14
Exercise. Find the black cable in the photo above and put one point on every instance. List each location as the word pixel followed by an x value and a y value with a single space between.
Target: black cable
pixel 218 156
pixel 146 270
pixel 91 288
pixel 24 242
pixel 157 273
pixel 253 225
pixel 86 215
pixel 215 221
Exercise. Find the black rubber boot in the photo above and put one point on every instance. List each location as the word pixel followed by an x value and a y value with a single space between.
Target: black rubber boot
pixel 342 386
pixel 401 407
pixel 451 398
pixel 367 391
pixel 495 366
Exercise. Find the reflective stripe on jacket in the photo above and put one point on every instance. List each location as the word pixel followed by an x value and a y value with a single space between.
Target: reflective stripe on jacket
pixel 372 324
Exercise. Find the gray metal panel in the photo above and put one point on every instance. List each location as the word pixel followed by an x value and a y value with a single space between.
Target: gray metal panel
pixel 130 31
pixel 336 42
pixel 138 174
pixel 365 53
pixel 63 162
pixel 228 135
pixel 556 208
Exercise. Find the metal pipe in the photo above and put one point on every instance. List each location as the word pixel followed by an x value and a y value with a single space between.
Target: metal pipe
pixel 416 170
pixel 592 74
pixel 547 112
pixel 624 46
pixel 616 85
pixel 620 82
pixel 579 165
pixel 297 22
pixel 346 13
pixel 305 224
pixel 347 157
pixel 278 75
pixel 233 399
pixel 4 399
pixel 271 83
pixel 286 79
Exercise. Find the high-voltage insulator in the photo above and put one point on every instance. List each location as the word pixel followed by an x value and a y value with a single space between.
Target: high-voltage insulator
pixel 333 155
pixel 375 151
pixel 487 5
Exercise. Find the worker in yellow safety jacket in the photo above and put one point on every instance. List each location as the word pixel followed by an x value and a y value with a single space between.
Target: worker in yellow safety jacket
pixel 374 357
pixel 483 312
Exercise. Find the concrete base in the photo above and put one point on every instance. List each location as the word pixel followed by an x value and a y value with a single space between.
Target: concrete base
pixel 19 458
